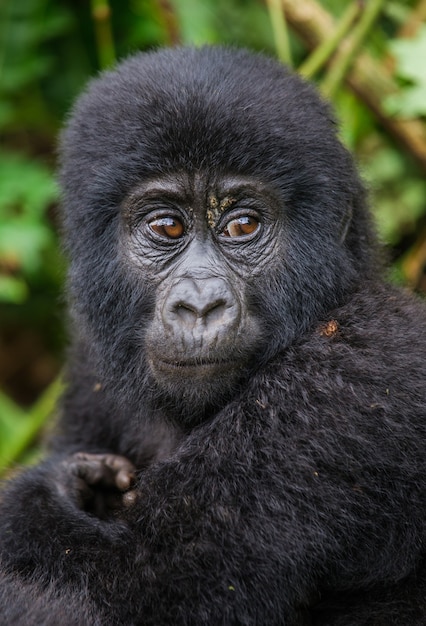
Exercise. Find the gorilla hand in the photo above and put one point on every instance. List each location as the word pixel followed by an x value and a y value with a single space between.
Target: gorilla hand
pixel 100 484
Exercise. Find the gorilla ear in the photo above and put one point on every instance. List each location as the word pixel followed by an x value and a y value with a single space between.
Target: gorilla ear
pixel 344 225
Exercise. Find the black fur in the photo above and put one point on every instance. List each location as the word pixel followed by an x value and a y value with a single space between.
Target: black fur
pixel 298 497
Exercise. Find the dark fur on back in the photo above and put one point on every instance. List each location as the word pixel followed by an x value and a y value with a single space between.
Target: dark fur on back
pixel 300 501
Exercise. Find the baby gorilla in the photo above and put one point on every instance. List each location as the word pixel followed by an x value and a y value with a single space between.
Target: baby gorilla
pixel 241 438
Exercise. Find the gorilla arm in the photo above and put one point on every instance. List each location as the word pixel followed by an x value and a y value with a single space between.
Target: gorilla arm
pixel 31 605
pixel 50 511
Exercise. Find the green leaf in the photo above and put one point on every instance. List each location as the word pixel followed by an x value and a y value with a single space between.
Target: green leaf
pixel 27 189
pixel 410 56
pixel 398 196
pixel 197 21
pixel 19 428
pixel 26 184
pixel 13 289
pixel 24 242
pixel 410 103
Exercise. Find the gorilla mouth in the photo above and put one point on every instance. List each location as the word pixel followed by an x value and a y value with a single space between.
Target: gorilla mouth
pixel 196 367
pixel 197 363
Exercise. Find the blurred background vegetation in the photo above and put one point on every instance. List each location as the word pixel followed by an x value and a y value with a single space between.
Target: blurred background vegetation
pixel 368 57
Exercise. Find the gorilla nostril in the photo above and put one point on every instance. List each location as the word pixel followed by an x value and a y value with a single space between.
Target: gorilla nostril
pixel 214 312
pixel 209 312
pixel 186 313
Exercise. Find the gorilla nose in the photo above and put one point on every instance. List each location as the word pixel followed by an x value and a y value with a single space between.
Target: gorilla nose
pixel 203 303
pixel 208 311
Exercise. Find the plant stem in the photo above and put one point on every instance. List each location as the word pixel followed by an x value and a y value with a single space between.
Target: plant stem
pixel 101 14
pixel 279 28
pixel 30 424
pixel 344 59
pixel 323 52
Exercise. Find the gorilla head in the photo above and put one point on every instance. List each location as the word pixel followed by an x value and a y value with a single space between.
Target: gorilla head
pixel 211 215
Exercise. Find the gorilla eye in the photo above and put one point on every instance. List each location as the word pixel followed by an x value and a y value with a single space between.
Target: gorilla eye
pixel 241 227
pixel 168 227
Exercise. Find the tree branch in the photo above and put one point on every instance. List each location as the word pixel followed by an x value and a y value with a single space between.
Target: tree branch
pixel 279 28
pixel 367 78
pixel 101 14
pixel 322 53
pixel 348 50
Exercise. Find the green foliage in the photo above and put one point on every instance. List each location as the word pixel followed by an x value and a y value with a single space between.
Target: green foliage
pixel 25 27
pixel 399 194
pixel 410 56
pixel 196 21
pixel 27 189
pixel 19 428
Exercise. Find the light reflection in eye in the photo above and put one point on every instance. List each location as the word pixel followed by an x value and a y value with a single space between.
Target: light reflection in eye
pixel 241 227
pixel 168 227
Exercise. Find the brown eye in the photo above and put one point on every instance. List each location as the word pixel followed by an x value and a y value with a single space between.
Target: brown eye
pixel 241 226
pixel 168 227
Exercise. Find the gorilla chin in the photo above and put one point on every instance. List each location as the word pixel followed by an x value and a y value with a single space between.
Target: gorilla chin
pixel 200 385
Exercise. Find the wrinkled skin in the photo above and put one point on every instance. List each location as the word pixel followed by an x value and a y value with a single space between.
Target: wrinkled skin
pixel 203 334
pixel 241 441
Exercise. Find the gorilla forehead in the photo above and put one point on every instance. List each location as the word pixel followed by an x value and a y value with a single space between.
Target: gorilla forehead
pixel 200 108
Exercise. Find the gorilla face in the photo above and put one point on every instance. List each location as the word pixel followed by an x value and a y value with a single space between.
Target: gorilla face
pixel 205 244
pixel 209 220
